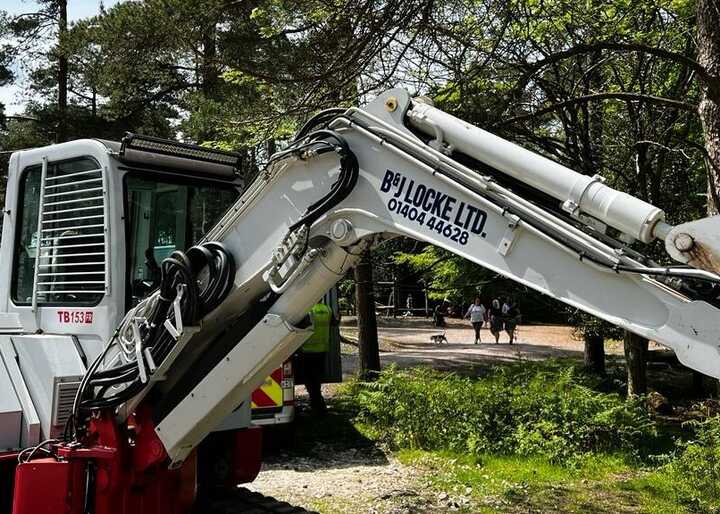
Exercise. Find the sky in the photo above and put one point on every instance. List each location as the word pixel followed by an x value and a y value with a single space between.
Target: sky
pixel 77 9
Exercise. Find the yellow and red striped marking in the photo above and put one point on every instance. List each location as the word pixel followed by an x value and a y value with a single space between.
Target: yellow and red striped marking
pixel 270 394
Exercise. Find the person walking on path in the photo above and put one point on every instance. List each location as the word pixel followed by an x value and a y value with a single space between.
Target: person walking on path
pixel 496 319
pixel 476 313
pixel 409 306
pixel 511 317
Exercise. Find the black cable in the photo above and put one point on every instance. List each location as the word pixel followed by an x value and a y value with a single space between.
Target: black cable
pixel 321 118
pixel 179 269
pixel 342 187
pixel 34 449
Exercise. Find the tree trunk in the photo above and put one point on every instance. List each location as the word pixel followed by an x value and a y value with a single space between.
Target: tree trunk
pixel 62 70
pixel 708 42
pixel 708 48
pixel 636 349
pixel 270 148
pixel 595 354
pixel 367 324
pixel 209 73
pixel 698 382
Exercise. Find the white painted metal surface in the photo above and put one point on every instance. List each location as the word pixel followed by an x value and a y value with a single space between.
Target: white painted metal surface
pixel 38 248
pixel 577 192
pixel 51 318
pixel 696 243
pixel 10 412
pixel 228 384
pixel 30 424
pixel 43 361
pixel 410 189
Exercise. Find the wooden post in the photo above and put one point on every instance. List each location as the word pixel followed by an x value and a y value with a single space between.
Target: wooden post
pixel 368 348
pixel 396 296
pixel 636 349
pixel 427 310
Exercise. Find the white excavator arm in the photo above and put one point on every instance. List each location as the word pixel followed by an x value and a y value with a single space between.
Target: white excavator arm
pixel 406 169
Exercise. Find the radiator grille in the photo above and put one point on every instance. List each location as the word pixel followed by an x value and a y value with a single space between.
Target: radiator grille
pixel 63 398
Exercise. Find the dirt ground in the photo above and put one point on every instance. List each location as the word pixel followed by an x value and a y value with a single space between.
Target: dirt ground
pixel 406 342
pixel 328 479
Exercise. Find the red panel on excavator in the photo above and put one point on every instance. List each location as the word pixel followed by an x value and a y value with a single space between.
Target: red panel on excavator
pixel 46 486
pixel 247 455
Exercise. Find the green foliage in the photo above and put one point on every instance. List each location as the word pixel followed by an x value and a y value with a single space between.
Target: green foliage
pixel 548 410
pixel 447 275
pixel 458 280
pixel 695 472
pixel 587 325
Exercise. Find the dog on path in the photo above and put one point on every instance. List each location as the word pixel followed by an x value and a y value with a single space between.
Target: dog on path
pixel 439 339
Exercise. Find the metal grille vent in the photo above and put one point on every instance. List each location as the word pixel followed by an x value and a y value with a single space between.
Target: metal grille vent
pixel 63 398
pixel 72 220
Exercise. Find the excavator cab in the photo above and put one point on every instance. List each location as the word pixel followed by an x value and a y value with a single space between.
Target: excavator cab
pixel 164 214
pixel 85 227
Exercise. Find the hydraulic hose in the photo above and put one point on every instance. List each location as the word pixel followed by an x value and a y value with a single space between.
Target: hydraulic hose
pixel 342 187
pixel 179 270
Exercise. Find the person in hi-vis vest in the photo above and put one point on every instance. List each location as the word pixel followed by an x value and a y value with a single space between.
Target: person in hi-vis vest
pixel 313 352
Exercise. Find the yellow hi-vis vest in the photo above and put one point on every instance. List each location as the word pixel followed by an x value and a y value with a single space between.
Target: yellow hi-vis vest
pixel 320 315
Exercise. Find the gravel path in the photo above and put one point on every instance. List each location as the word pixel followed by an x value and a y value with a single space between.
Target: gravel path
pixel 406 342
pixel 344 481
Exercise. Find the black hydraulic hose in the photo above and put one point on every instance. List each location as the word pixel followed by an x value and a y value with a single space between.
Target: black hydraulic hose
pixel 180 268
pixel 341 188
pixel 320 118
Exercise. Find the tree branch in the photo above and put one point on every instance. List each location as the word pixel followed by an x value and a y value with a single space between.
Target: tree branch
pixel 702 72
pixel 602 96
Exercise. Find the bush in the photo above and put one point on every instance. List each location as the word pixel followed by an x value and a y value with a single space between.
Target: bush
pixel 548 409
pixel 695 471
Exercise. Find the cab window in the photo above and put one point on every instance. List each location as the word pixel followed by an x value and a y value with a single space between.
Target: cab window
pixel 163 216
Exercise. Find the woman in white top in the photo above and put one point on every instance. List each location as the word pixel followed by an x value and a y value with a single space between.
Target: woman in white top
pixel 476 313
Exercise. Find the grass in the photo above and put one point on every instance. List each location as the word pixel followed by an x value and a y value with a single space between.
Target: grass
pixel 603 483
pixel 657 492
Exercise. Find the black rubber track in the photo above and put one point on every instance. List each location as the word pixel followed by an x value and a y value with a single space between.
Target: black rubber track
pixel 243 501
